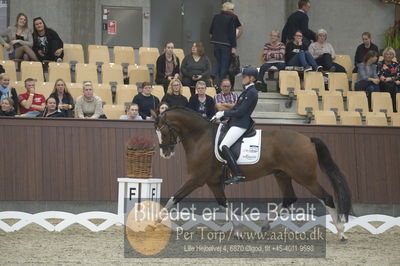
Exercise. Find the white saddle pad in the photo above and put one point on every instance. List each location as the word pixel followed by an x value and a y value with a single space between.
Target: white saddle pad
pixel 250 150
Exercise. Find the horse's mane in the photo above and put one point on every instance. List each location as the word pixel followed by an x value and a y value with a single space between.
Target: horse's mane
pixel 191 111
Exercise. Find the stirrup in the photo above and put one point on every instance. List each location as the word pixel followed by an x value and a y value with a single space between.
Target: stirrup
pixel 234 180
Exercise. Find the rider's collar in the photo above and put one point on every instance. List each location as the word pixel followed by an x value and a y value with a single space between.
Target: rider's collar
pixel 247 86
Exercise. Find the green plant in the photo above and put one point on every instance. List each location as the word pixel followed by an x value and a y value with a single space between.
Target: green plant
pixel 392 36
pixel 140 143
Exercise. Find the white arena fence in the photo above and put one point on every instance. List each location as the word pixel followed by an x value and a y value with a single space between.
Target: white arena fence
pixel 111 219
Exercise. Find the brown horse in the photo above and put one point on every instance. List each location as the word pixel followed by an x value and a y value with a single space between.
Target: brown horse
pixel 285 154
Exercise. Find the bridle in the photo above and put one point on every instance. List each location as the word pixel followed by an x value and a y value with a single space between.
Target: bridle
pixel 172 131
pixel 175 135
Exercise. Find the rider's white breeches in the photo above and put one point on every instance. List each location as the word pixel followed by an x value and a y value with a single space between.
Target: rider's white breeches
pixel 233 134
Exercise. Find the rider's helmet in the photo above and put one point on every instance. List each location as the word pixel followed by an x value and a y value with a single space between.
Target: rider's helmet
pixel 250 71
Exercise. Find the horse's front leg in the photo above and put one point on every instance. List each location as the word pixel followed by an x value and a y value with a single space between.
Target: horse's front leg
pixel 188 187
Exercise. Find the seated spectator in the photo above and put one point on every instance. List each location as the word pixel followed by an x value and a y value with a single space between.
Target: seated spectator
pixel 389 75
pixel 146 101
pixel 201 102
pixel 88 105
pixel 226 99
pixel 174 96
pixel 297 54
pixel 65 102
pixel 363 49
pixel 51 109
pixel 31 103
pixel 274 56
pixel 367 79
pixel 196 66
pixel 6 91
pixel 7 107
pixel 167 66
pixel 323 53
pixel 19 36
pixel 132 113
pixel 46 43
pixel 162 107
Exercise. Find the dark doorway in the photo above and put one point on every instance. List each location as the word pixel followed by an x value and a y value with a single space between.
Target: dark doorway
pixel 182 22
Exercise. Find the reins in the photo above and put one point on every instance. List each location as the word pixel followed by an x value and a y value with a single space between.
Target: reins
pixel 173 131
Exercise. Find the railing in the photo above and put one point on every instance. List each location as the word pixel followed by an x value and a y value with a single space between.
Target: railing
pixel 72 159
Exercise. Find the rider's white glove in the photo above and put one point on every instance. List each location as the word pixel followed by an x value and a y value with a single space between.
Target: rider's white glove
pixel 219 115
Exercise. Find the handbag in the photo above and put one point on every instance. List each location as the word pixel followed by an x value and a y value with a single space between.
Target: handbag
pixel 234 66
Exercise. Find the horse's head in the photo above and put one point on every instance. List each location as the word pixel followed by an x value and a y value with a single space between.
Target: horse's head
pixel 167 136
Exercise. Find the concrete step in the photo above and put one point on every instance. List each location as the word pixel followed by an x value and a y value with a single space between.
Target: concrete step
pixel 273 102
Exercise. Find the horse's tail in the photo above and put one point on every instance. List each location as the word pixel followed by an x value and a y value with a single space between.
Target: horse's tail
pixel 336 177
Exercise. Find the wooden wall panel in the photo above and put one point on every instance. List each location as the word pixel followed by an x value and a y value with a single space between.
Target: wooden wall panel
pixel 55 159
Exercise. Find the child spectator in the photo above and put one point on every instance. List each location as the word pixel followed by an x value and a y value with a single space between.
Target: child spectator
pixel 7 107
pixel 51 109
pixel 132 113
pixel 162 107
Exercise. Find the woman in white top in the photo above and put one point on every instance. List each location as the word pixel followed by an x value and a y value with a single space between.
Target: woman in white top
pixel 18 41
pixel 324 54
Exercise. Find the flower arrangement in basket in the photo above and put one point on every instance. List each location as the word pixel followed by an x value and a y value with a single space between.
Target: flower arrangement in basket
pixel 139 157
pixel 392 36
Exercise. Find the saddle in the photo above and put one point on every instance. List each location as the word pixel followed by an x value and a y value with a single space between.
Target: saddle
pixel 246 149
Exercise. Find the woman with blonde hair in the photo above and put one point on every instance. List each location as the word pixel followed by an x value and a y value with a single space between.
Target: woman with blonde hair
pixel 324 54
pixel 20 40
pixel 88 105
pixel 167 66
pixel 174 96
pixel 8 92
pixel 389 74
pixel 64 100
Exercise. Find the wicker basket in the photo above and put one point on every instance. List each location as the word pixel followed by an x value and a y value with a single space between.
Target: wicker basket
pixel 139 163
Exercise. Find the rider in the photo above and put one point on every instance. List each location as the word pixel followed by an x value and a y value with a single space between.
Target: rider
pixel 239 121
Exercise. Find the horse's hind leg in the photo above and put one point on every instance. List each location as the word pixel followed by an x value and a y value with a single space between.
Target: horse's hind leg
pixel 289 197
pixel 317 190
pixel 222 202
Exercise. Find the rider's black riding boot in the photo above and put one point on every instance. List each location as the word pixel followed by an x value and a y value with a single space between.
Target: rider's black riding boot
pixel 237 176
